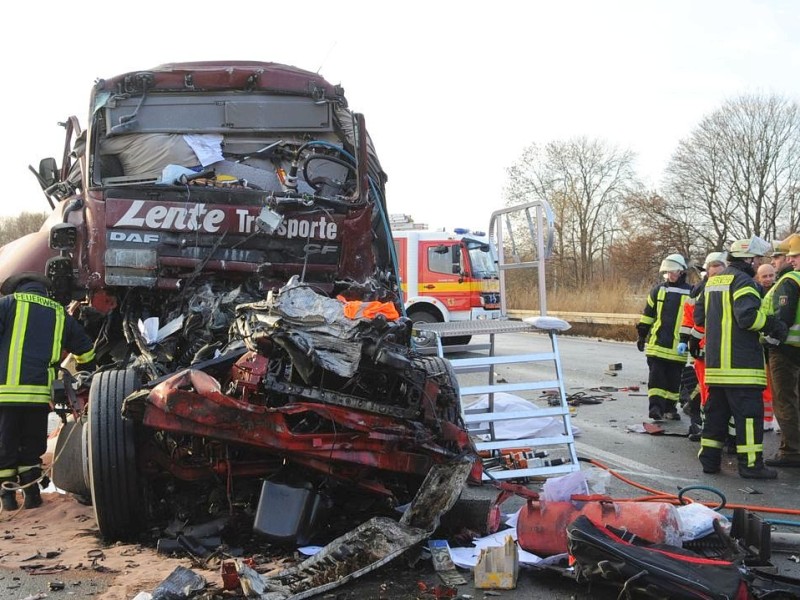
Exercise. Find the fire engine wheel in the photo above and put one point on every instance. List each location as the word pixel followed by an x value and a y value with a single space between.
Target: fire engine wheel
pixel 114 483
pixel 424 316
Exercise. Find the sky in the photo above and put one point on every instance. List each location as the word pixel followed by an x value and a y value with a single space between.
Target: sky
pixel 452 92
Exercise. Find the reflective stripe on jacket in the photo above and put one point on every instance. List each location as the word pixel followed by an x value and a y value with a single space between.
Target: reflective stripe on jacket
pixel 662 315
pixel 33 332
pixel 783 300
pixel 732 315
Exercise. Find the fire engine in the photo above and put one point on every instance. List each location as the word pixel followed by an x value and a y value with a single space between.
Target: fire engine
pixel 446 276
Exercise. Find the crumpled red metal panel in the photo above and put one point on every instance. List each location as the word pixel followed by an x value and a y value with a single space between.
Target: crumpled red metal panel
pixel 191 402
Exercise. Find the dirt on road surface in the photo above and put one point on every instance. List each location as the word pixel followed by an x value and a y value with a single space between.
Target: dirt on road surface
pixel 60 540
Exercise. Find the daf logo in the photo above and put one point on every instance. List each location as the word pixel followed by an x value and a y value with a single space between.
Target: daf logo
pixel 136 238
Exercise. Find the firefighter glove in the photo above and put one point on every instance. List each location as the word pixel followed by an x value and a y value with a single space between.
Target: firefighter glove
pixel 694 348
pixel 682 348
pixel 640 344
pixel 775 329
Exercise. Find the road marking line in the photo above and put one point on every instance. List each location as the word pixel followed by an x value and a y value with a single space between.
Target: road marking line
pixel 634 467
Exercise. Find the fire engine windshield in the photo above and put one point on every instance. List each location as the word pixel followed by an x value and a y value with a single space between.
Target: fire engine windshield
pixel 481 260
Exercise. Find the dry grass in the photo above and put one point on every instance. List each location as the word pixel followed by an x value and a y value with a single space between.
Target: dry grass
pixel 613 297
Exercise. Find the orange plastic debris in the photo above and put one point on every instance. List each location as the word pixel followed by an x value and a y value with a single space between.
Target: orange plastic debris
pixel 356 309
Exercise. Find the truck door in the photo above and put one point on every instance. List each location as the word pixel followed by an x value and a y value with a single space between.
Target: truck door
pixel 442 275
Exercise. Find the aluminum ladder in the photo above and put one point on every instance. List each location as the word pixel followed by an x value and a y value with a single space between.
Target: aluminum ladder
pixel 508 248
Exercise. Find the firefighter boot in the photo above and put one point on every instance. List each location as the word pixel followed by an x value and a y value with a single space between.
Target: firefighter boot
pixel 8 497
pixel 757 471
pixel 710 459
pixel 33 497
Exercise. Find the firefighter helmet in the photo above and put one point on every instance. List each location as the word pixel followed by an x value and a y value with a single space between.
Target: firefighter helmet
pixel 674 262
pixel 793 247
pixel 779 248
pixel 741 249
pixel 715 257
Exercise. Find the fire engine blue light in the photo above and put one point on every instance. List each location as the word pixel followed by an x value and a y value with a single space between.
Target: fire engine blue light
pixel 461 230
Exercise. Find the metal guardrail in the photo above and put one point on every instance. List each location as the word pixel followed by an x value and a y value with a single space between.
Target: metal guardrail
pixel 581 317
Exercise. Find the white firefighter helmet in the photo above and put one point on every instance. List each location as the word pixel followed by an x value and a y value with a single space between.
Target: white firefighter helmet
pixel 755 246
pixel 674 262
pixel 741 249
pixel 715 257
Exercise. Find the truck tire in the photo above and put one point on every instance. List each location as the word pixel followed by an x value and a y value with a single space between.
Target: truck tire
pixel 448 400
pixel 116 494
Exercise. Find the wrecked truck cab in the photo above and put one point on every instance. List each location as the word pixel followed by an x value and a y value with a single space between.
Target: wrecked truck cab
pixel 221 230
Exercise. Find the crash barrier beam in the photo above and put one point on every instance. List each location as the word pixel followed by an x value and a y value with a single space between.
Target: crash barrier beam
pixel 581 317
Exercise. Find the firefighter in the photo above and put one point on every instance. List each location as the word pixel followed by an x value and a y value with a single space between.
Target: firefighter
pixel 733 318
pixel 783 300
pixel 658 338
pixel 693 339
pixel 779 259
pixel 33 331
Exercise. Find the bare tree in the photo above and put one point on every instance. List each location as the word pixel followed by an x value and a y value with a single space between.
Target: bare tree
pixel 585 182
pixel 736 175
pixel 15 227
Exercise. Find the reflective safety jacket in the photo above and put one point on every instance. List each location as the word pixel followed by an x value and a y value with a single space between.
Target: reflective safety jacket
pixel 661 319
pixel 732 315
pixel 783 301
pixel 34 330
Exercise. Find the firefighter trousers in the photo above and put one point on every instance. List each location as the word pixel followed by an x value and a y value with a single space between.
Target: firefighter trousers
pixel 785 374
pixel 746 407
pixel 23 437
pixel 663 384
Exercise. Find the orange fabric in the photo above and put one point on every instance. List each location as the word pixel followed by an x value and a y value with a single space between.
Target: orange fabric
pixel 700 369
pixel 688 315
pixel 356 309
pixel 767 396
pixel 688 322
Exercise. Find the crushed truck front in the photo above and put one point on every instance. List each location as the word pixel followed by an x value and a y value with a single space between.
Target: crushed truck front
pixel 220 228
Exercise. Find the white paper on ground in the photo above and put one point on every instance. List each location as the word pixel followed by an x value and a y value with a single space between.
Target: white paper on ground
pixel 467 558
